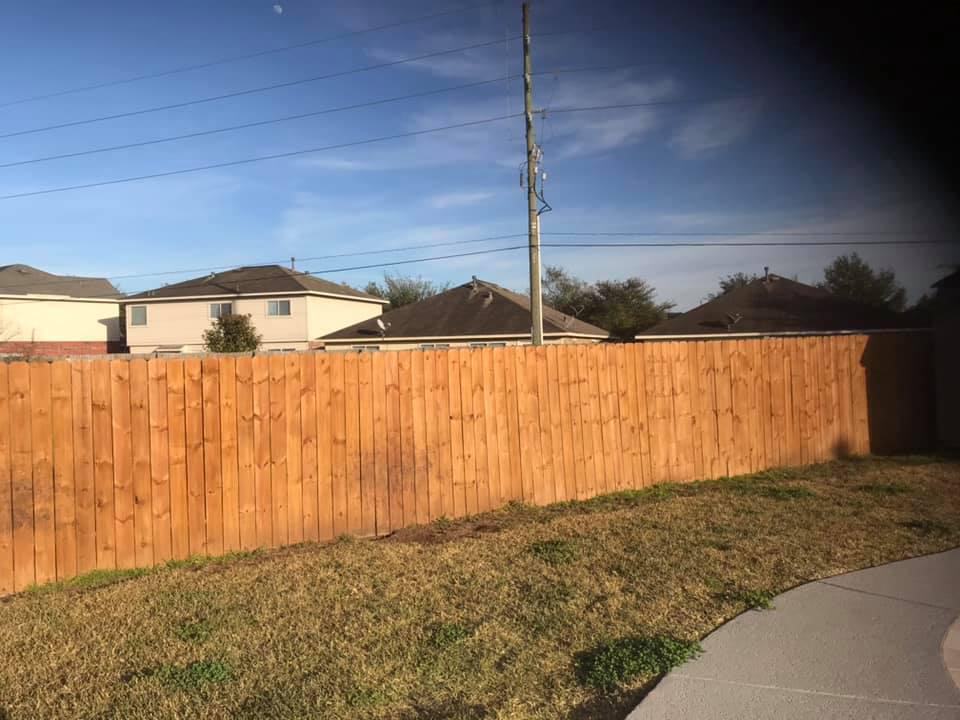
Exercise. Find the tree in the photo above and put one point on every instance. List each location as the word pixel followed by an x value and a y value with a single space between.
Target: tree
pixel 231 333
pixel 401 290
pixel 733 281
pixel 849 276
pixel 624 307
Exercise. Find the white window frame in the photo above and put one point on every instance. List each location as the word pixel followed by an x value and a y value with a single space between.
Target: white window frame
pixel 138 307
pixel 434 346
pixel 365 348
pixel 219 306
pixel 278 302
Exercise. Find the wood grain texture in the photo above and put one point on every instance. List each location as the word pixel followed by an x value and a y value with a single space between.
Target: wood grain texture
pixel 158 420
pixel 194 430
pixel 21 469
pixel 64 485
pixel 177 462
pixel 140 431
pixel 246 454
pixel 308 438
pixel 122 464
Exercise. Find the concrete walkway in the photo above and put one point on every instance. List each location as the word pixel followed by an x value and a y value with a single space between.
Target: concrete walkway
pixel 864 645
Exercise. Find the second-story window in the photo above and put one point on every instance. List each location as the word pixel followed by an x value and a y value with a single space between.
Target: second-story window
pixel 218 310
pixel 138 315
pixel 278 307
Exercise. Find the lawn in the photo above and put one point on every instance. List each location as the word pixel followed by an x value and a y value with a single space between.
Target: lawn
pixel 560 612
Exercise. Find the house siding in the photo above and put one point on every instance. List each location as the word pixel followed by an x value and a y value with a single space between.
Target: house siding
pixel 26 320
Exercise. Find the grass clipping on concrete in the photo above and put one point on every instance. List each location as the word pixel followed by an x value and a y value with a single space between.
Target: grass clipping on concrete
pixel 561 612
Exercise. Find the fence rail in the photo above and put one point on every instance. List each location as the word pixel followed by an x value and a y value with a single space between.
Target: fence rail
pixel 131 462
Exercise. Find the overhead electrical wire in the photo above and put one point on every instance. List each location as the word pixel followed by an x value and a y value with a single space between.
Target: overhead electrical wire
pixel 246 56
pixel 288 118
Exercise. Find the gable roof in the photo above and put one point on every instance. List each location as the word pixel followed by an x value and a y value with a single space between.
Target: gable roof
pixel 19 279
pixel 777 305
pixel 253 279
pixel 475 309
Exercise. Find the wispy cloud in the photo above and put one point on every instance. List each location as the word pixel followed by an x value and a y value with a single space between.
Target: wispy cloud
pixel 716 126
pixel 443 201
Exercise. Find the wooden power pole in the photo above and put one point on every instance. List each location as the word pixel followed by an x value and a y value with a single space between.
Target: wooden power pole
pixel 533 212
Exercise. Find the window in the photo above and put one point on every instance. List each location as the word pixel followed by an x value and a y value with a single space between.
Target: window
pixel 218 310
pixel 366 348
pixel 138 315
pixel 434 346
pixel 278 307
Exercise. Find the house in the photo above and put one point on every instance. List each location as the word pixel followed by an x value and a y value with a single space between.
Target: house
pixel 775 305
pixel 46 314
pixel 475 314
pixel 288 308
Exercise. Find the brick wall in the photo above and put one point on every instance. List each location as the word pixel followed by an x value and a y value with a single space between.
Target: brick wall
pixel 57 349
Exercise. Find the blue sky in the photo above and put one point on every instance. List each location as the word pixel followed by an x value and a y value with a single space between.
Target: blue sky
pixel 750 139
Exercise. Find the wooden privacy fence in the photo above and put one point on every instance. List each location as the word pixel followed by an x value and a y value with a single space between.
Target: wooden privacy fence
pixel 131 462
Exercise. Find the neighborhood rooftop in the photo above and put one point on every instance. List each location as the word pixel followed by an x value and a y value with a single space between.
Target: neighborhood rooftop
pixel 775 304
pixel 474 309
pixel 19 279
pixel 250 280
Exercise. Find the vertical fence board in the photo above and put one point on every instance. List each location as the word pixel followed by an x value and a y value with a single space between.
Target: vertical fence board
pixel 6 488
pixel 308 434
pixel 351 399
pixel 141 442
pixel 608 410
pixel 469 436
pixel 562 382
pixel 83 466
pixel 684 460
pixel 193 424
pixel 368 469
pixel 246 454
pixel 444 450
pixel 764 402
pixel 629 421
pixel 707 408
pixel 122 463
pixel 229 454
pixel 394 454
pixel 534 490
pixel 420 463
pixel 338 411
pixel 659 442
pixel 479 430
pixel 161 489
pixel 556 423
pixel 431 426
pixel 511 399
pixel 588 425
pixel 640 376
pixel 456 434
pixel 498 463
pixel 698 413
pixel 790 408
pixel 576 425
pixel 408 469
pixel 262 443
pixel 294 449
pixel 45 551
pixel 547 478
pixel 602 478
pixel 177 461
pixel 21 468
pixel 212 462
pixel 278 450
pixel 723 391
pixel 774 369
pixel 380 450
pixel 324 447
pixel 64 487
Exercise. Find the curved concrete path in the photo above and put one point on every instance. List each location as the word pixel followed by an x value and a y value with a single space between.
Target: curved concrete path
pixel 869 644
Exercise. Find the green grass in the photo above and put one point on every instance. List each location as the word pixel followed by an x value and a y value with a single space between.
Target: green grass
pixel 613 664
pixel 554 552
pixel 525 613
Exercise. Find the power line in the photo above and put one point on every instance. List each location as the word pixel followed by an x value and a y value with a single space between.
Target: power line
pixel 246 56
pixel 249 91
pixel 752 233
pixel 288 118
pixel 260 158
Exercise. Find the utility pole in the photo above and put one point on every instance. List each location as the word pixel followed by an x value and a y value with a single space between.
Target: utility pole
pixel 533 212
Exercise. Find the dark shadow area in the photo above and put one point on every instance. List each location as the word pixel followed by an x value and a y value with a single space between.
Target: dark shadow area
pixel 947 359
pixel 901 392
pixel 842 449
pixel 606 706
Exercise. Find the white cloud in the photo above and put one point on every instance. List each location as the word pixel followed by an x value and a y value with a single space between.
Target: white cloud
pixel 716 126
pixel 443 201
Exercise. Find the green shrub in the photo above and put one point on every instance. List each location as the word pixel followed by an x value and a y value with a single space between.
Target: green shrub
pixel 195 675
pixel 194 632
pixel 446 634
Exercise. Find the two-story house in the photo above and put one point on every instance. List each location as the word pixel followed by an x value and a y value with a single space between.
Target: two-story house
pixel 46 314
pixel 290 309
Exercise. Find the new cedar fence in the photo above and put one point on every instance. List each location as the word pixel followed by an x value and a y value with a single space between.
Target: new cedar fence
pixel 131 462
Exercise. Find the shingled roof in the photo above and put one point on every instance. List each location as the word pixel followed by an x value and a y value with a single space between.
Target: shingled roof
pixel 254 279
pixel 19 279
pixel 475 309
pixel 777 305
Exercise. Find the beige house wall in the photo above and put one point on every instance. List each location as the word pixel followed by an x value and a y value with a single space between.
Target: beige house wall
pixel 357 345
pixel 24 318
pixel 183 322
pixel 326 315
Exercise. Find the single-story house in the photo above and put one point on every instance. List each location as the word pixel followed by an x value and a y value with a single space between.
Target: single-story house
pixel 475 314
pixel 46 314
pixel 287 307
pixel 775 305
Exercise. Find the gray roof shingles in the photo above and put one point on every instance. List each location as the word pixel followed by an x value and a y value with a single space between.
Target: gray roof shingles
pixel 19 279
pixel 480 309
pixel 250 280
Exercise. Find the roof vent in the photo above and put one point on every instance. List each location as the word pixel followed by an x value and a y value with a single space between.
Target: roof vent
pixel 488 298
pixel 733 319
pixel 766 273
